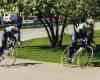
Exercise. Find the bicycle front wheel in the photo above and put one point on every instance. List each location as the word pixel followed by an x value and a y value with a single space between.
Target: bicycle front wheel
pixel 10 58
pixel 84 57
pixel 64 56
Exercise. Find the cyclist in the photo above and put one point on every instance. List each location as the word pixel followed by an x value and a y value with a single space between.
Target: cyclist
pixel 9 30
pixel 84 32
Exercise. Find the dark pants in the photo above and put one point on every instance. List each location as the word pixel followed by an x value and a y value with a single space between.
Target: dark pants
pixel 7 35
pixel 1 51
pixel 75 37
pixel 19 33
pixel 72 49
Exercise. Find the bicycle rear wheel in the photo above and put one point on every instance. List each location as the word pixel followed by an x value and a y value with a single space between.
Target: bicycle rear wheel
pixel 84 57
pixel 64 56
pixel 11 57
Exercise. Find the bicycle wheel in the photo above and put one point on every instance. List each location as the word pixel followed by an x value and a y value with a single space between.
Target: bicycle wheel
pixel 90 54
pixel 10 57
pixel 64 56
pixel 84 56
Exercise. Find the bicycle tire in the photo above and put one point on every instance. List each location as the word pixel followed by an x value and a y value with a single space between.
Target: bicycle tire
pixel 64 56
pixel 84 57
pixel 10 57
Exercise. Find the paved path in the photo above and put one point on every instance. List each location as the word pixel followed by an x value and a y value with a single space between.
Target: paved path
pixel 33 70
pixel 27 34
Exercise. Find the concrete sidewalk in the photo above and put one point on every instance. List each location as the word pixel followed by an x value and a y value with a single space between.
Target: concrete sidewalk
pixel 27 34
pixel 33 70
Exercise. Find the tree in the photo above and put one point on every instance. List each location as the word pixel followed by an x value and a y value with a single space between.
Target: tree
pixel 55 15
pixel 49 12
pixel 11 1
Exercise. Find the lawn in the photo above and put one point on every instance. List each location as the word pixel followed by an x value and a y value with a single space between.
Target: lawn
pixel 39 49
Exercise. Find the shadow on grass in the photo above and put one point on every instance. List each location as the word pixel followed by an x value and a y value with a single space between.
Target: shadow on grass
pixel 96 62
pixel 97 49
pixel 43 46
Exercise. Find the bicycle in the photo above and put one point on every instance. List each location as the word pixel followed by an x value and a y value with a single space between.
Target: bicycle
pixel 82 56
pixel 9 55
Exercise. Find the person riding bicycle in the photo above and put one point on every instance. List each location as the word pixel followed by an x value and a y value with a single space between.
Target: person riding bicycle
pixel 9 30
pixel 84 32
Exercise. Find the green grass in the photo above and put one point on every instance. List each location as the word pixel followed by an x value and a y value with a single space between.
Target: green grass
pixel 40 54
pixel 39 49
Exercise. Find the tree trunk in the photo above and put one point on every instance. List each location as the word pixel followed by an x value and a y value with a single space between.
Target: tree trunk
pixel 50 39
pixel 57 31
pixel 54 37
pixel 62 32
pixel 51 31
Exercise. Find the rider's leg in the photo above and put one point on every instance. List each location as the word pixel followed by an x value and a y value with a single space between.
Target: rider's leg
pixel 11 35
pixel 1 51
pixel 72 49
pixel 19 37
pixel 4 42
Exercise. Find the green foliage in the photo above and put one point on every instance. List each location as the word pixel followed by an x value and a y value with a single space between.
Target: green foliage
pixel 61 7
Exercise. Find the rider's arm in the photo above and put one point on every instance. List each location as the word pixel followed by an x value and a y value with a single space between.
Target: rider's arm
pixel 10 28
pixel 81 27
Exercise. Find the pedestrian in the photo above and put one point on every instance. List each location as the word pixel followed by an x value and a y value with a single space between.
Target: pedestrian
pixel 18 21
pixel 19 26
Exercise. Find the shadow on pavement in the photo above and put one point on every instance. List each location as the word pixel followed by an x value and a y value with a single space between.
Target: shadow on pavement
pixel 20 65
